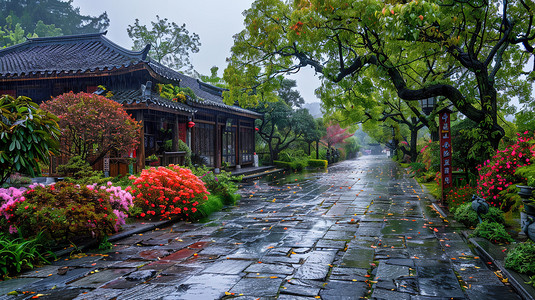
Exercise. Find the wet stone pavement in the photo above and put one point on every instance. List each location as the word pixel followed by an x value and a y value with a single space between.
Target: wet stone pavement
pixel 360 230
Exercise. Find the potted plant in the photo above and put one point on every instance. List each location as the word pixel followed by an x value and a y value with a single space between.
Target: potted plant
pixel 152 160
pixel 527 192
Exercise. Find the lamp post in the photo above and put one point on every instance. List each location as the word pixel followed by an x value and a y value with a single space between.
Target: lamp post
pixel 428 105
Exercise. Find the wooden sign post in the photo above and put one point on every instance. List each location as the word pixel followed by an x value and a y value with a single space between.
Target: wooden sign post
pixel 445 150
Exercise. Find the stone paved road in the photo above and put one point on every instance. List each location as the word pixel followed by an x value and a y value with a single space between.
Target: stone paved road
pixel 360 230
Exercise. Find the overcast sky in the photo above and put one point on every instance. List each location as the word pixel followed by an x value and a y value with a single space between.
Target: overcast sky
pixel 215 21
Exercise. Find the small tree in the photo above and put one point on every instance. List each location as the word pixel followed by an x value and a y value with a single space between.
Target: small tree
pixel 28 135
pixel 335 135
pixel 93 125
pixel 170 43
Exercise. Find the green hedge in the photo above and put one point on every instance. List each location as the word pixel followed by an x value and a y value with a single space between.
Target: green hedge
pixel 294 165
pixel 317 163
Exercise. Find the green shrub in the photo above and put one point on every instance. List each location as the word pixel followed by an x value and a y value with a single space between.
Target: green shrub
pixel 18 254
pixel 213 204
pixel 522 258
pixel 317 163
pixel 466 215
pixel 417 169
pixel 65 212
pixel 290 155
pixel 184 147
pixel 222 184
pixel 492 231
pixel 297 165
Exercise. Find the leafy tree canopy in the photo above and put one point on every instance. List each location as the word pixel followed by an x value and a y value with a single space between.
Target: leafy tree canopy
pixel 28 135
pixel 93 125
pixel 470 53
pixel 61 14
pixel 170 44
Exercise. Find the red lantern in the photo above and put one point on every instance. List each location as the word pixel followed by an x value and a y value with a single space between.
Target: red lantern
pixel 256 128
pixel 191 124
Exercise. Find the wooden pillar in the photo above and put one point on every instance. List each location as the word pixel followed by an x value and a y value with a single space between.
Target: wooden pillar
pixel 238 144
pixel 141 148
pixel 175 135
pixel 217 144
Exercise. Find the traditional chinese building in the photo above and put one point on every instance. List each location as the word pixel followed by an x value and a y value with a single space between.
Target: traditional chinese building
pixel 219 134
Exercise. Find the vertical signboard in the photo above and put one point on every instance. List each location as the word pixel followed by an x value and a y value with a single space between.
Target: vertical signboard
pixel 445 149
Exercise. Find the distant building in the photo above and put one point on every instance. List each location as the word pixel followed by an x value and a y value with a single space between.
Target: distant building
pixel 41 68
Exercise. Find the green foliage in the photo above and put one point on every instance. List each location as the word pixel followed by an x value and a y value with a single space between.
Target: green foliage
pixel 213 204
pixel 528 173
pixel 413 49
pixel 464 140
pixel 317 163
pixel 182 146
pixel 289 155
pixel 176 93
pixel 28 135
pixel 296 165
pixel 223 184
pixel 77 168
pixel 417 169
pixel 522 258
pixel 60 14
pixel 466 215
pixel 430 156
pixel 171 44
pixel 19 254
pixel 283 126
pixel 492 231
pixel 17 180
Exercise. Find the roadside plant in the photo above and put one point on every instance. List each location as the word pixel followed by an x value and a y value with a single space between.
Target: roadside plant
pixel 492 231
pixel 466 215
pixel 65 212
pixel 522 258
pixel 28 136
pixel 498 173
pixel 457 196
pixel 222 184
pixel 18 254
pixel 168 192
pixel 417 169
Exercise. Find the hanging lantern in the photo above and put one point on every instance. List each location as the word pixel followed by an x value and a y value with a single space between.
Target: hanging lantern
pixel 191 124
pixel 428 105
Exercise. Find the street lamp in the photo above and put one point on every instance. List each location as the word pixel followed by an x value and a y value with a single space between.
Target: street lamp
pixel 428 104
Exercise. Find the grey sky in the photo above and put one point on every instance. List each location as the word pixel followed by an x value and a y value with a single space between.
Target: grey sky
pixel 215 21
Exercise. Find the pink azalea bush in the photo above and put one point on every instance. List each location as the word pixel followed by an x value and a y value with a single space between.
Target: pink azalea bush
pixel 498 173
pixel 64 212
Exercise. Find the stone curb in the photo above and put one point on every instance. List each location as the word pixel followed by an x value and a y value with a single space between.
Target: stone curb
pixel 518 286
pixel 512 279
pixel 259 175
pixel 119 236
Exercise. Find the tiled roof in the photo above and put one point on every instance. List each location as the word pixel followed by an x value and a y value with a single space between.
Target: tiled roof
pixel 210 96
pixel 92 52
pixel 78 53
pixel 126 97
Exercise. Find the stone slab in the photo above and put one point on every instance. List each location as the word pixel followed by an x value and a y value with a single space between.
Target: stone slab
pixel 316 266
